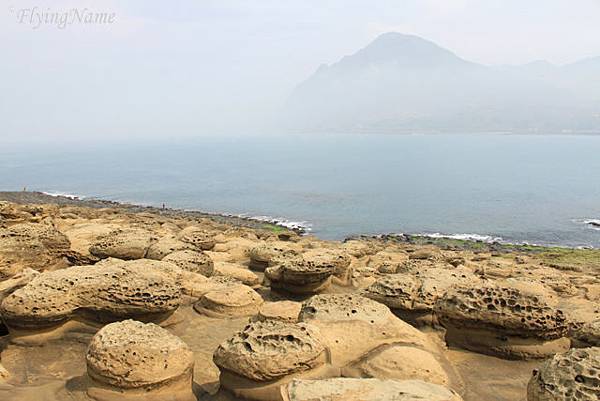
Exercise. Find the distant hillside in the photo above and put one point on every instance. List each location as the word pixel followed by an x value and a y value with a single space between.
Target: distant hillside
pixel 403 83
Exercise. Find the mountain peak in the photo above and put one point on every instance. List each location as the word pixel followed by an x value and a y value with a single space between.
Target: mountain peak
pixel 404 50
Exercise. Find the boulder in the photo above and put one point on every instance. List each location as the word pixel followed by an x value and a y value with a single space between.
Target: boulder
pixel 192 261
pixel 95 294
pixel 127 244
pixel 136 361
pixel 338 259
pixel 366 390
pixel 269 254
pixel 570 376
pixel 300 276
pixel 413 296
pixel 237 272
pixel 502 321
pixel 235 300
pixel 257 361
pixel 197 237
pixel 352 326
pixel 165 246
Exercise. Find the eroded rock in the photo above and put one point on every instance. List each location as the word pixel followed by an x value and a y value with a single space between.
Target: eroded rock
pixel 570 376
pixel 138 361
pixel 126 244
pixel 366 389
pixel 502 321
pixel 234 300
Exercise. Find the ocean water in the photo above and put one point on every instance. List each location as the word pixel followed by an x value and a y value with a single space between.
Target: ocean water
pixel 535 189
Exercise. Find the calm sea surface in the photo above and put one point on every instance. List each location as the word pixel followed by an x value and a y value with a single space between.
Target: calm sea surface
pixel 537 189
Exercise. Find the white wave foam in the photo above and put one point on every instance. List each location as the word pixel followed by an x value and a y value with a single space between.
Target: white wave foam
pixel 64 195
pixel 593 224
pixel 465 237
pixel 281 221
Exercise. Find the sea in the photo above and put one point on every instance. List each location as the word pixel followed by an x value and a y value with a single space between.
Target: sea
pixel 535 189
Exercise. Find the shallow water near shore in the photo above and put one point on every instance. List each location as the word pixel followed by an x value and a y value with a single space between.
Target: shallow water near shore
pixel 536 189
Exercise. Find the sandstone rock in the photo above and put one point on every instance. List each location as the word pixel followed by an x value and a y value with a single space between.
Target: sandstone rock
pixel 587 336
pixel 352 325
pixel 502 321
pixel 425 253
pixel 16 282
pixel 192 261
pixel 387 262
pixel 31 245
pixel 237 272
pixel 165 246
pixel 136 361
pixel 299 276
pixel 231 301
pixel 128 243
pixel 96 294
pixel 365 390
pixel 198 237
pixel 398 362
pixel 338 259
pixel 269 254
pixel 255 362
pixel 286 311
pixel 413 296
pixel 358 248
pixel 571 376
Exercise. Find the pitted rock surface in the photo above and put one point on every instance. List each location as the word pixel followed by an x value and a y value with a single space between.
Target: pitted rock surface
pixel 237 272
pixel 571 376
pixel 29 245
pixel 394 290
pixel 128 243
pixel 198 237
pixel 268 350
pixel 337 258
pixel 587 335
pixel 269 254
pixel 105 292
pixel 500 308
pixel 166 246
pixel 192 261
pixel 301 276
pixel 131 354
pixel 366 389
pixel 352 325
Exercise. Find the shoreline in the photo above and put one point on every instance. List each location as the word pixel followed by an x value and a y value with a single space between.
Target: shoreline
pixel 450 241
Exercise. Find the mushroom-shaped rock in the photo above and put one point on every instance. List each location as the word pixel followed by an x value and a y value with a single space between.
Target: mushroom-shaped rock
pixel 256 361
pixel 97 294
pixel 137 361
pixel 413 297
pixel 299 276
pixel 399 362
pixel 269 254
pixel 366 389
pixel 286 311
pixel 588 335
pixel 570 376
pixel 237 272
pixel 337 258
pixel 352 326
pixel 128 243
pixel 197 237
pixel 192 261
pixel 502 321
pixel 235 300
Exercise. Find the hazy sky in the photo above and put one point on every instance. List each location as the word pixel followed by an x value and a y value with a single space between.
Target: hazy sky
pixel 187 68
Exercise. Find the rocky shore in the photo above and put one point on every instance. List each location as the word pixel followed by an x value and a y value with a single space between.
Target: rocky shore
pixel 104 301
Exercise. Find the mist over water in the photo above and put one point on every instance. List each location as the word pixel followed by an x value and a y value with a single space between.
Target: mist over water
pixel 538 189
